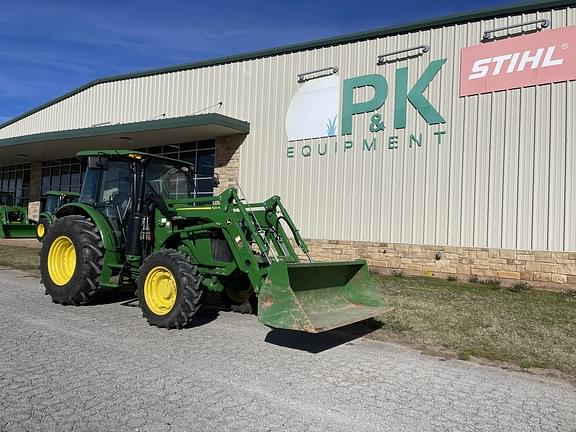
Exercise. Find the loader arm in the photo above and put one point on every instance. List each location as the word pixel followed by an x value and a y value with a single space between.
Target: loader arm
pixel 306 296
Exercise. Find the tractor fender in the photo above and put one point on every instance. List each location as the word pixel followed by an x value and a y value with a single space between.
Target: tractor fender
pixel 49 217
pixel 106 232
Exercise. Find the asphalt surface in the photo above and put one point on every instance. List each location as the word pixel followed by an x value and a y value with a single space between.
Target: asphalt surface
pixel 103 368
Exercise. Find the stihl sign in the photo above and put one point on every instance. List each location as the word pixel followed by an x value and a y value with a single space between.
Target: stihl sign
pixel 516 62
pixel 521 61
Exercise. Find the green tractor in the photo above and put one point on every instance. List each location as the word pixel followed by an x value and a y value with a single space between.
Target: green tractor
pixel 54 200
pixel 138 224
pixel 14 219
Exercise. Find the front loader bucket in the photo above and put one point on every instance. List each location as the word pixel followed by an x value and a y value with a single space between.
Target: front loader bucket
pixel 18 230
pixel 315 297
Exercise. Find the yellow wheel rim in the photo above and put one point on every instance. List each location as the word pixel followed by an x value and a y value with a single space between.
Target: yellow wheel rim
pixel 160 290
pixel 40 230
pixel 61 260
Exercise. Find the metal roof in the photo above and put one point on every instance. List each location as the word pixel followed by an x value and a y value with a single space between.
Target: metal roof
pixel 231 125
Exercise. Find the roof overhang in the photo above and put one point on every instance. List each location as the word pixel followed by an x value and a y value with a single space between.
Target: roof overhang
pixel 60 144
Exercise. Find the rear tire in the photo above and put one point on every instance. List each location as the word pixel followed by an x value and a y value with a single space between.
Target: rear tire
pixel 168 289
pixel 243 301
pixel 71 260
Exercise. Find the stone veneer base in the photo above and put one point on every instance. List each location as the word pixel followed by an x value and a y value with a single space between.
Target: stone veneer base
pixel 549 270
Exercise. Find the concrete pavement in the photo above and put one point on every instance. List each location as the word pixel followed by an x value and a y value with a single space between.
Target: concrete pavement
pixel 103 368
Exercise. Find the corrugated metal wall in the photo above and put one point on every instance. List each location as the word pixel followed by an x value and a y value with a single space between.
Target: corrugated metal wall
pixel 502 177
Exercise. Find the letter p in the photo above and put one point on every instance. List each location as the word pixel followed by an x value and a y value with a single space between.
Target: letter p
pixel 349 108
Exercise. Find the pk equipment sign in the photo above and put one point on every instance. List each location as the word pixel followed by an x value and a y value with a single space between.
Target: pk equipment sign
pixel 521 61
pixel 401 96
pixel 314 113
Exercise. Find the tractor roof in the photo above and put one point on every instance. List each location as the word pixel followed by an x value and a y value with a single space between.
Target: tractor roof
pixel 135 154
pixel 65 193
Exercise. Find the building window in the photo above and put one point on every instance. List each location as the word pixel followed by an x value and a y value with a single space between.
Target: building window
pixel 16 179
pixel 68 174
pixel 62 175
pixel 199 153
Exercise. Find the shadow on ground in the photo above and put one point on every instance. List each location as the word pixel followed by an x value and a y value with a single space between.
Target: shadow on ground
pixel 109 296
pixel 203 317
pixel 316 343
pixel 207 313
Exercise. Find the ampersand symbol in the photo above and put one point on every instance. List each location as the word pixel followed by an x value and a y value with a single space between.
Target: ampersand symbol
pixel 377 124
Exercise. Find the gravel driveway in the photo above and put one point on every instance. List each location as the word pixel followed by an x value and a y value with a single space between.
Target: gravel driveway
pixel 102 368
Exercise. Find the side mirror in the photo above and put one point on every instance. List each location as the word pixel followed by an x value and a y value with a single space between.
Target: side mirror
pixel 216 180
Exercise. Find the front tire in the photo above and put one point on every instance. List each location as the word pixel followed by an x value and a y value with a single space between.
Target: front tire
pixel 42 229
pixel 168 289
pixel 71 260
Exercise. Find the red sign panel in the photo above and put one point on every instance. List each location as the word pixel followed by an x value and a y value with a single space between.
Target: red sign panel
pixel 539 58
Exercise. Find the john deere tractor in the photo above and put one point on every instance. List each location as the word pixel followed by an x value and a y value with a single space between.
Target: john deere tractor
pixel 136 222
pixel 13 218
pixel 54 200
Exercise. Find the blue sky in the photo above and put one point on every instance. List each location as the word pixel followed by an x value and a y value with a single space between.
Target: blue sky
pixel 49 47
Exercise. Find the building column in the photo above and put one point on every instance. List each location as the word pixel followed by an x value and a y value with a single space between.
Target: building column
pixel 35 190
pixel 227 161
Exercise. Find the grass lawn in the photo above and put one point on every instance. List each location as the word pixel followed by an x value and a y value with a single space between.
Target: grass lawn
pixel 530 328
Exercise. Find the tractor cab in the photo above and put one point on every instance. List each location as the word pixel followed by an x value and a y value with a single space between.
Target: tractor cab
pixel 13 218
pixel 121 183
pixel 12 213
pixel 54 200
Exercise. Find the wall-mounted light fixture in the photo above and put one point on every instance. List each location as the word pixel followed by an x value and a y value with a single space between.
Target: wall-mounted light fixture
pixel 489 34
pixel 101 124
pixel 422 48
pixel 307 76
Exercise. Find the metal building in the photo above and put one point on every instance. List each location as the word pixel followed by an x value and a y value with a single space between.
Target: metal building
pixel 444 146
